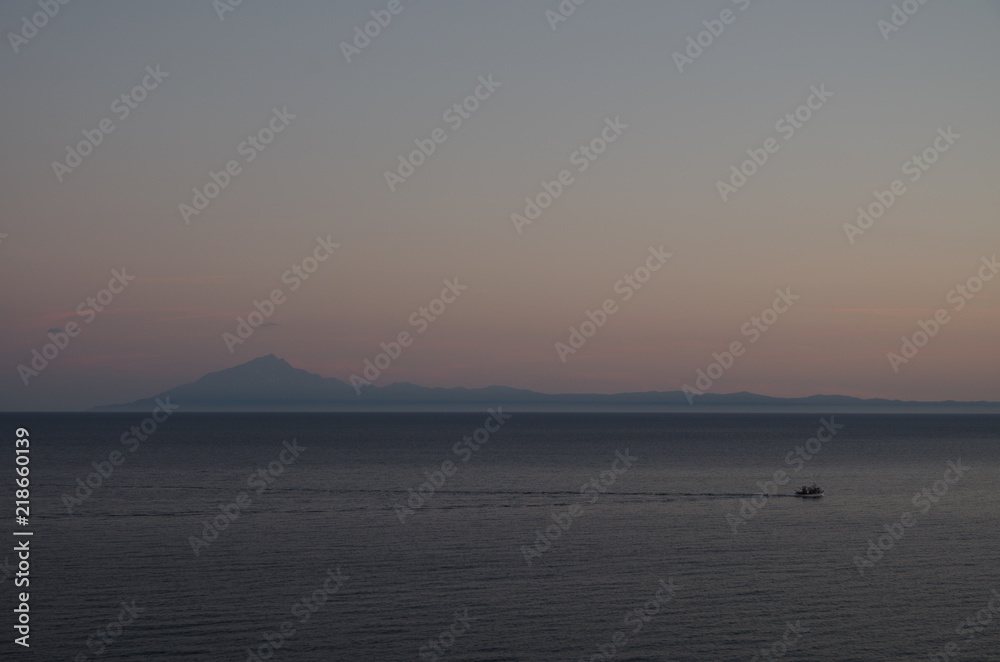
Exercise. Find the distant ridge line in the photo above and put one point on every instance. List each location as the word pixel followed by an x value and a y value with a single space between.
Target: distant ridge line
pixel 269 384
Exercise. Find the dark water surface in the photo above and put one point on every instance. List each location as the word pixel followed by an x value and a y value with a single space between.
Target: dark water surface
pixel 654 537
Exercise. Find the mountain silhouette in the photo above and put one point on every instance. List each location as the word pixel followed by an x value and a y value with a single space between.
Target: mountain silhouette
pixel 268 383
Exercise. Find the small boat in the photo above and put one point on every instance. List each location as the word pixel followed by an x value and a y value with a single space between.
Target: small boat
pixel 813 492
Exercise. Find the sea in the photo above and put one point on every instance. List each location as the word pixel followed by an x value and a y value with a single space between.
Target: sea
pixel 506 536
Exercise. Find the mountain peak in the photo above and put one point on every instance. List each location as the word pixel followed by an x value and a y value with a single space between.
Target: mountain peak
pixel 267 365
pixel 267 359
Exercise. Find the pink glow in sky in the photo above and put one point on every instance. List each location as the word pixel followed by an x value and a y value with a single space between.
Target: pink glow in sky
pixel 733 164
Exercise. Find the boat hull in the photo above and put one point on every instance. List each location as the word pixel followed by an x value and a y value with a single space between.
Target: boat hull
pixel 809 496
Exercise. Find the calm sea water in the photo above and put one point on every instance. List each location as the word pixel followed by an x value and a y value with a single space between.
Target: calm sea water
pixel 455 571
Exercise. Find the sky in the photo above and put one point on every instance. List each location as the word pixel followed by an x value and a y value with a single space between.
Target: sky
pixel 650 113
